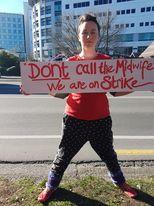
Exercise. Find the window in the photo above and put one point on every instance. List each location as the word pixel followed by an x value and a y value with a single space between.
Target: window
pixel 142 9
pixel 99 2
pixel 48 21
pixel 67 6
pixel 149 36
pixel 57 6
pixel 117 26
pixel 127 25
pixel 57 13
pixel 141 24
pixel 132 25
pixel 43 32
pixel 128 11
pixel 43 22
pixel 118 12
pixel 132 11
pixel 148 9
pixel 153 8
pixel 122 11
pixel 48 10
pixel 152 23
pixel 42 11
pixel 75 5
pixel 125 38
pixel 81 4
pixel 46 1
pixel 146 23
pixel 118 1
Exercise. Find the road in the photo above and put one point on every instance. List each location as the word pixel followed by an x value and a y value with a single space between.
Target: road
pixel 31 127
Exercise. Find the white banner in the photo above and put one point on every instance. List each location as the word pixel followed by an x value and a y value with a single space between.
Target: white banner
pixel 88 76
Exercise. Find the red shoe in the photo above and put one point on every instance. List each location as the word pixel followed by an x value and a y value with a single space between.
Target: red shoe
pixel 45 195
pixel 128 190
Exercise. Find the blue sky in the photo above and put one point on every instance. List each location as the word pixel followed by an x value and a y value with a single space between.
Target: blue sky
pixel 12 6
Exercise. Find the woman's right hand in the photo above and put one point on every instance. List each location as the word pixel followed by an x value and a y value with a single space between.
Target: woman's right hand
pixel 22 91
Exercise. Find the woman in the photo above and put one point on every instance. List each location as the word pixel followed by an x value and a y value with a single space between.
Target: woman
pixel 87 118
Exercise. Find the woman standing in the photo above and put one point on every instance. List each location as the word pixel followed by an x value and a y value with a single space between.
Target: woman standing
pixel 86 118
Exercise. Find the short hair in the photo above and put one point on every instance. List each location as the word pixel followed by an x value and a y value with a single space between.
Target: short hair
pixel 86 18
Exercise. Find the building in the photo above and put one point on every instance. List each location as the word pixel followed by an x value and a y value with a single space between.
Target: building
pixel 28 30
pixel 134 19
pixel 12 38
pixel 46 22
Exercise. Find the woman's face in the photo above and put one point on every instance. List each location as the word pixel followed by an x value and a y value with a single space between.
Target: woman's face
pixel 88 35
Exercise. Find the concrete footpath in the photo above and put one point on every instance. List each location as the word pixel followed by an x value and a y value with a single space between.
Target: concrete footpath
pixel 39 171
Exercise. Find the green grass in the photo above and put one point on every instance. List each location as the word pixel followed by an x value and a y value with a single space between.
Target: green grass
pixel 87 191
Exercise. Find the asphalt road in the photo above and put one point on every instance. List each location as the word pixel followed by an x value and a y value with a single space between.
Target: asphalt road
pixel 31 125
pixel 41 115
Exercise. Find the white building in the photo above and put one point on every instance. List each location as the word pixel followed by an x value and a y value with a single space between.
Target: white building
pixel 46 21
pixel 28 29
pixel 134 17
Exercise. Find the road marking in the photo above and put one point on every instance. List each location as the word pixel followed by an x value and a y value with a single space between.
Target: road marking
pixel 132 137
pixel 59 137
pixel 119 151
pixel 135 152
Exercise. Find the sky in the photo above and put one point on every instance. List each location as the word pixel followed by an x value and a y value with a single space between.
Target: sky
pixel 12 6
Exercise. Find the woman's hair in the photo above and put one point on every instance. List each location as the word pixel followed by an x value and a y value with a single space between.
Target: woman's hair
pixel 86 18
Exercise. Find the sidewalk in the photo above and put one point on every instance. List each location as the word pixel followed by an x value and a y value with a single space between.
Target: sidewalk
pixel 75 170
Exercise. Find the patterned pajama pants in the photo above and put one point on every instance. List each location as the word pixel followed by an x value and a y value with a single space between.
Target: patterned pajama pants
pixel 75 134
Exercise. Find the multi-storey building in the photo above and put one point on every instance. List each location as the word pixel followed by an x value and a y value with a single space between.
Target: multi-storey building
pixel 28 30
pixel 134 18
pixel 12 36
pixel 46 21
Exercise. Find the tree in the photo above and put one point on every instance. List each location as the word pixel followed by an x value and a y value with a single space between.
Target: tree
pixel 109 35
pixel 9 64
pixel 68 44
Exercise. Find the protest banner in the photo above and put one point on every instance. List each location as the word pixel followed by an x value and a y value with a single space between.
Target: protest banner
pixel 88 76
